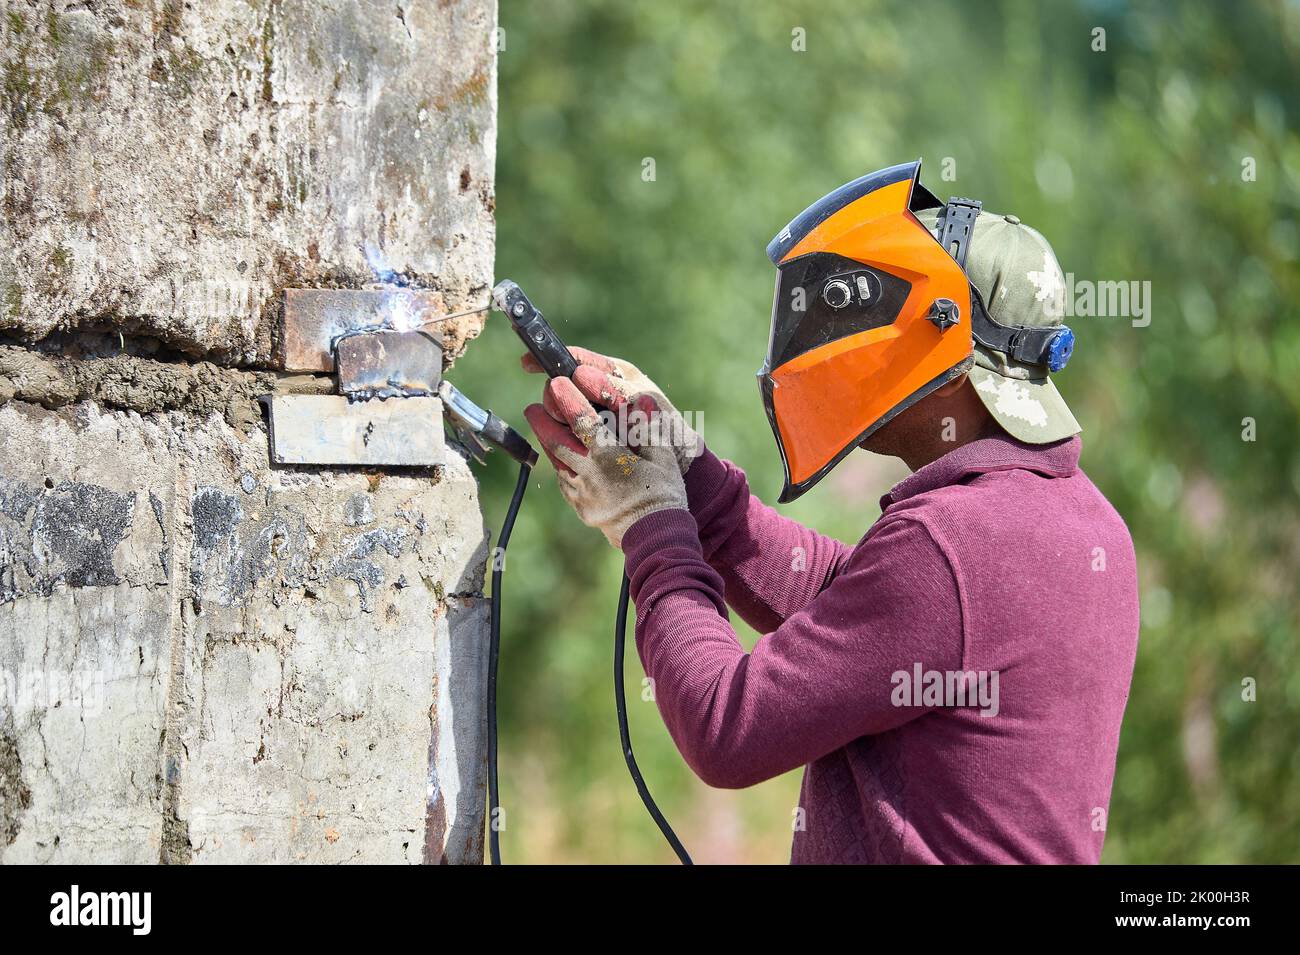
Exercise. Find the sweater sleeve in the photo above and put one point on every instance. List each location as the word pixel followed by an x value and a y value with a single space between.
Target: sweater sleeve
pixel 771 566
pixel 826 676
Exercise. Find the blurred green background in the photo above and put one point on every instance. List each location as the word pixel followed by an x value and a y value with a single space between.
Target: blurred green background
pixel 1135 161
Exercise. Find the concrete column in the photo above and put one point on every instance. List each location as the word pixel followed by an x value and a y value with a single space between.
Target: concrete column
pixel 204 657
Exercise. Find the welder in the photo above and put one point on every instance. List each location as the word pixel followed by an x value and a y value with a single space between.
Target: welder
pixel 954 683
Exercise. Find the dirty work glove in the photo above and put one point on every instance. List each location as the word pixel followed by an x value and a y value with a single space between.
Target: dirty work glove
pixel 612 383
pixel 608 482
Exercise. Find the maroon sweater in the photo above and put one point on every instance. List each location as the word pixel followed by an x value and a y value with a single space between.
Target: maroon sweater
pixel 1000 560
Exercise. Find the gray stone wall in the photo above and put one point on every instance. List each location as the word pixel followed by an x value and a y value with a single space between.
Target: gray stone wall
pixel 204 657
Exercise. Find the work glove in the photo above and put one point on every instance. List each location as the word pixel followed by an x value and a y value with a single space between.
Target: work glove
pixel 613 383
pixel 610 483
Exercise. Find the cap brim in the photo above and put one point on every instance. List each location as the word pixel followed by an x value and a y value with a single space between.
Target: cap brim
pixel 1030 410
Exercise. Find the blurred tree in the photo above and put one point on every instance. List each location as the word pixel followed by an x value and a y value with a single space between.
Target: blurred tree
pixel 1165 153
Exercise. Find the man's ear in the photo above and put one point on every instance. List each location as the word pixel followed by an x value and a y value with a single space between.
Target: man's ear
pixel 950 388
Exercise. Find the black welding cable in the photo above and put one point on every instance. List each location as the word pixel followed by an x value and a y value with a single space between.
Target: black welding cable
pixel 494 653
pixel 620 703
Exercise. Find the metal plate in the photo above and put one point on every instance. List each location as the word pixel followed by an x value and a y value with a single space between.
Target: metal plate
pixel 330 429
pixel 315 318
pixel 389 364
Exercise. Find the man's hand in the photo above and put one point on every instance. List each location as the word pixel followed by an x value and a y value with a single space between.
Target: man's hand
pixel 610 483
pixel 613 383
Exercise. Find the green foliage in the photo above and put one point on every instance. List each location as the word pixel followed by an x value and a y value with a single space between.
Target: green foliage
pixel 1129 160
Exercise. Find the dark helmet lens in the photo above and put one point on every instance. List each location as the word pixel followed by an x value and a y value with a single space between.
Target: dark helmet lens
pixel 823 297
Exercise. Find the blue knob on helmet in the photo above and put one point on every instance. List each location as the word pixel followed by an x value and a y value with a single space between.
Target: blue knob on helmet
pixel 1060 349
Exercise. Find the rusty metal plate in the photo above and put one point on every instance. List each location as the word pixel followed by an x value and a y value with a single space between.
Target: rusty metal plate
pixel 388 364
pixel 330 429
pixel 316 318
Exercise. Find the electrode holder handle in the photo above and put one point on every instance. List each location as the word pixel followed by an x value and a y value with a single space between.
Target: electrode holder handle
pixel 534 330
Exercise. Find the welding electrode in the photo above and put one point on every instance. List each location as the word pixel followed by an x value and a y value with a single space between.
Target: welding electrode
pixel 445 318
pixel 554 356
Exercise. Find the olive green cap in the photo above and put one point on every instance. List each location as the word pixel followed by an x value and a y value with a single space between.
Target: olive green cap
pixel 1017 274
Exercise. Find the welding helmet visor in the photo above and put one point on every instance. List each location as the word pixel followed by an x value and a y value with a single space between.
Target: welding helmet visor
pixel 870 315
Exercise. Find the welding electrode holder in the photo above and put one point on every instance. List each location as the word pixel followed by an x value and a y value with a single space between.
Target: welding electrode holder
pixel 558 362
pixel 533 330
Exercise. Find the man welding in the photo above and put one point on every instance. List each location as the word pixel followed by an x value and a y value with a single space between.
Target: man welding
pixel 953 683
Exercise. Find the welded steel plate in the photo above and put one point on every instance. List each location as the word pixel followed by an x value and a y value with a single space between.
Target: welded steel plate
pixel 388 364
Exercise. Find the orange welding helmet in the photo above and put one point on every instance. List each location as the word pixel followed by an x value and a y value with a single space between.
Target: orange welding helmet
pixel 871 314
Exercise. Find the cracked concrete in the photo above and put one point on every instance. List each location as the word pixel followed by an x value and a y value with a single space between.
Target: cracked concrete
pixel 205 658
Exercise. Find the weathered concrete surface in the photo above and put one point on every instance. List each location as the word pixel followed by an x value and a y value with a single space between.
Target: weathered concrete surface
pixel 206 659
pixel 51 377
pixel 168 167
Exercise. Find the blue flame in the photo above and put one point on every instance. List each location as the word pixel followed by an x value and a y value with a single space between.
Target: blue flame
pixel 397 311
pixel 379 263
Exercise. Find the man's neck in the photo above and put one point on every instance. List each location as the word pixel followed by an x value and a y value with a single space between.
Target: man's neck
pixel 920 452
